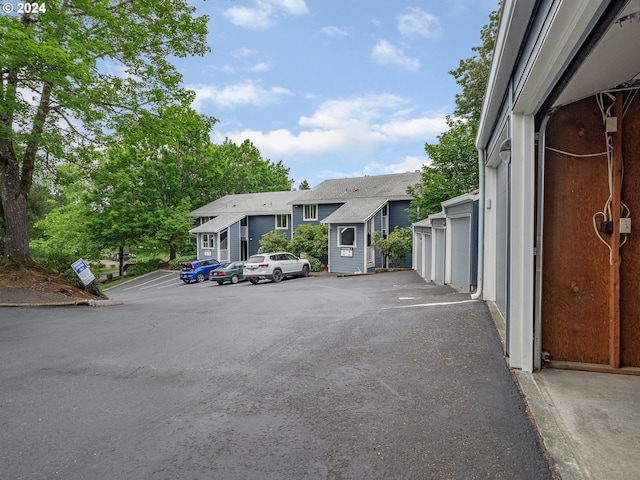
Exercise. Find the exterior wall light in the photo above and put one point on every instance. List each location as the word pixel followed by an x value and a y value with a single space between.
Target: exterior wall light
pixel 505 150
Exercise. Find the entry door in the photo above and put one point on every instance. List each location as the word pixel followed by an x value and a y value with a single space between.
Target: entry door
pixel 439 257
pixel 460 252
pixel 371 252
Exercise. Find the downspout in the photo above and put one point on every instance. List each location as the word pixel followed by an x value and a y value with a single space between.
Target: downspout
pixel 537 327
pixel 481 206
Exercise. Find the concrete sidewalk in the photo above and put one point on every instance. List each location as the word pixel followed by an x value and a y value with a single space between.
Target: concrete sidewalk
pixel 589 421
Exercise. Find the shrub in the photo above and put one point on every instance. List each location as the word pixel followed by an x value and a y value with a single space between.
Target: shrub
pixel 141 268
pixel 396 246
pixel 310 239
pixel 316 265
pixel 273 241
pixel 175 263
pixel 61 264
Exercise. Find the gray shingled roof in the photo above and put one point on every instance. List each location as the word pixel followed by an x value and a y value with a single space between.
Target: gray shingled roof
pixel 264 203
pixel 356 210
pixel 389 187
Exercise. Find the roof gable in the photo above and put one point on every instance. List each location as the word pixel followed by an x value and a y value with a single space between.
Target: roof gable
pixel 355 210
pixel 219 223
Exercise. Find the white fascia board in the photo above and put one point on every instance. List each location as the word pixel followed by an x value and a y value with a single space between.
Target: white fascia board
pixel 513 24
pixel 464 198
pixel 422 223
pixel 376 210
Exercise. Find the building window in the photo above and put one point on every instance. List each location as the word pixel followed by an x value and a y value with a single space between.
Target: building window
pixel 282 221
pixel 346 236
pixel 206 240
pixel 310 212
pixel 224 246
pixel 223 239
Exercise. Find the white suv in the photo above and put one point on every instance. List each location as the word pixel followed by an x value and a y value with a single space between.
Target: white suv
pixel 275 267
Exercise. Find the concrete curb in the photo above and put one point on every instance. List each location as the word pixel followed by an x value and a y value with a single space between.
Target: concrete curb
pixel 104 303
pixel 541 410
pixel 90 303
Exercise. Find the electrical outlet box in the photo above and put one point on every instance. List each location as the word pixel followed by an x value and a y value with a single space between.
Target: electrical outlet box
pixel 625 225
pixel 612 124
pixel 606 226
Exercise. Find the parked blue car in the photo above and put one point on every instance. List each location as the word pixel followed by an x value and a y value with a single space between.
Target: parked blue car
pixel 227 272
pixel 197 270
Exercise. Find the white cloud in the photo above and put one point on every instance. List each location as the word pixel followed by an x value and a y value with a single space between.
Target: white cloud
pixel 385 53
pixel 294 7
pixel 264 13
pixel 418 22
pixel 409 164
pixel 246 93
pixel 333 31
pixel 413 127
pixel 340 113
pixel 243 52
pixel 261 67
pixel 346 126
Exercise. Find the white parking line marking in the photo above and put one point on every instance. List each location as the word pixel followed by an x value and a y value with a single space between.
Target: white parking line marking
pixel 391 390
pixel 438 304
pixel 150 281
pixel 156 285
pixel 406 298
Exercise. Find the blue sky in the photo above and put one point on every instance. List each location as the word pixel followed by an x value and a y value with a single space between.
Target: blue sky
pixel 332 88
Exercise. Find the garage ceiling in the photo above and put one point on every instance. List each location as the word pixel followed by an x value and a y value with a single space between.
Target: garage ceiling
pixel 615 61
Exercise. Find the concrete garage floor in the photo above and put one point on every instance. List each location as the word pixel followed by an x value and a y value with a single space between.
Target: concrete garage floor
pixel 590 422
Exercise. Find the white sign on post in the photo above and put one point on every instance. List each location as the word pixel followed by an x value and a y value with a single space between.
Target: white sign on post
pixel 83 271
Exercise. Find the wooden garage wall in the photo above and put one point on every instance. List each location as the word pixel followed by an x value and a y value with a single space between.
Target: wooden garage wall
pixel 576 291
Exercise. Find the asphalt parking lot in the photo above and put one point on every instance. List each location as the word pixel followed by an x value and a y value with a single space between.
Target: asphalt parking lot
pixel 365 377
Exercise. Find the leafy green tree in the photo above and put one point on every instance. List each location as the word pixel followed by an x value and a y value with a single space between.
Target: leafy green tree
pixel 472 74
pixel 396 246
pixel 454 159
pixel 313 240
pixel 42 200
pixel 453 169
pixel 169 164
pixel 75 71
pixel 117 217
pixel 241 169
pixel 304 185
pixel 274 241
pixel 66 230
pixel 172 167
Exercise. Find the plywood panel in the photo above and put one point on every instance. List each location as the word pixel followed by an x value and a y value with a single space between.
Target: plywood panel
pixel 630 251
pixel 575 264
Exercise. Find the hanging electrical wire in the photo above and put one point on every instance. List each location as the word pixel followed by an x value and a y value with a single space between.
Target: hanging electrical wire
pixel 606 213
